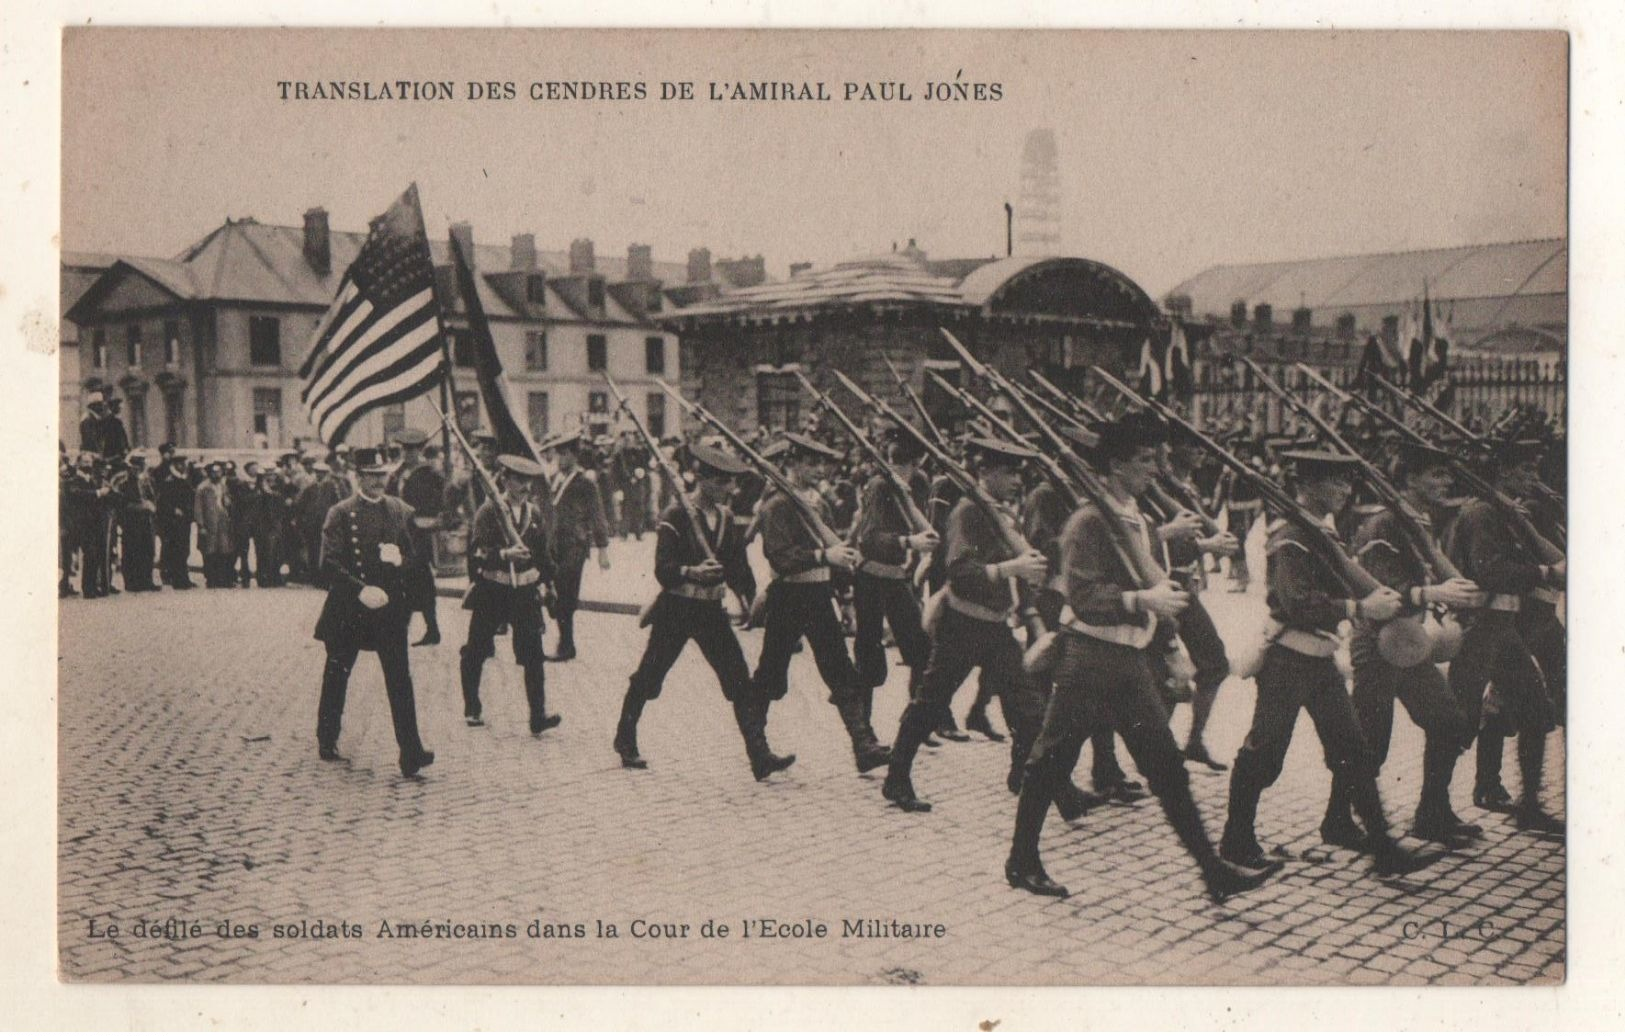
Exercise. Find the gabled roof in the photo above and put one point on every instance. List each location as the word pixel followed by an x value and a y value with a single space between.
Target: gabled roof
pixel 1387 278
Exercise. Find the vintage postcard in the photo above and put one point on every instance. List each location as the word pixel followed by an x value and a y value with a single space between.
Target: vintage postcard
pixel 814 508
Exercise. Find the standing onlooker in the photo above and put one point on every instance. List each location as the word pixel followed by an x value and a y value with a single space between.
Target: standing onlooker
pixel 214 531
pixel 175 503
pixel 137 505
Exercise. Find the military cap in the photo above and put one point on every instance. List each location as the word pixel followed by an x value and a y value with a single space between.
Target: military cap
pixel 320 466
pixel 1417 456
pixel 1310 464
pixel 411 437
pixel 136 455
pixel 167 447
pixel 997 451
pixel 1130 432
pixel 563 441
pixel 290 455
pixel 806 444
pixel 95 399
pixel 521 465
pixel 369 461
pixel 713 461
pixel 906 448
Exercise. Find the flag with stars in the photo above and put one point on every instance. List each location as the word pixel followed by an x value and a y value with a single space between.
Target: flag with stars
pixel 380 341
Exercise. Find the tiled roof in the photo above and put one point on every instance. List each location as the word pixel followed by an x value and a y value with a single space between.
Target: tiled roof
pixel 1521 268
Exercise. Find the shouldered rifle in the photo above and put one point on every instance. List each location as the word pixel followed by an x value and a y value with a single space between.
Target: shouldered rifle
pixel 510 528
pixel 1523 529
pixel 1063 398
pixel 914 401
pixel 917 521
pixel 810 518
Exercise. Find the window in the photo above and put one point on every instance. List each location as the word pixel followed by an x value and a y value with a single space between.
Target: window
pixel 268 413
pixel 597 353
pixel 778 399
pixel 132 345
pixel 265 341
pixel 174 416
pixel 98 349
pixel 536 289
pixel 654 354
pixel 536 350
pixel 172 344
pixel 595 293
pixel 462 347
pixel 537 415
pixel 655 406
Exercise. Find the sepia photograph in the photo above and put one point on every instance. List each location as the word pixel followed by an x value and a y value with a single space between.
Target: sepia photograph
pixel 813 508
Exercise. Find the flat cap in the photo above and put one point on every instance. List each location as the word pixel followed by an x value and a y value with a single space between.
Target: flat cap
pixel 411 437
pixel 808 445
pixel 521 465
pixel 716 461
pixel 997 450
pixel 1319 463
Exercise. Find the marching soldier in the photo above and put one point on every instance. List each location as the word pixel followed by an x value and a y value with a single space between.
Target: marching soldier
pixel 579 525
pixel 507 589
pixel 366 543
pixel 973 631
pixel 883 593
pixel 689 607
pixel 421 485
pixel 1308 601
pixel 1245 505
pixel 1380 545
pixel 1493 650
pixel 137 503
pixel 801 602
pixel 1106 671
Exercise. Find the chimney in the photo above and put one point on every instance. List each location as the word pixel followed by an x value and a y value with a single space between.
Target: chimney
pixel 581 260
pixel 797 269
pixel 1263 316
pixel 463 234
pixel 640 263
pixel 318 245
pixel 1302 320
pixel 699 265
pixel 524 252
pixel 1238 313
pixel 744 272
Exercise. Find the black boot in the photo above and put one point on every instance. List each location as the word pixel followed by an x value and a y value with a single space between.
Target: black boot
pixel 868 752
pixel 1072 802
pixel 567 639
pixel 752 722
pixel 536 698
pixel 626 732
pixel 470 670
pixel 1024 869
pixel 1338 828
pixel 1239 844
pixel 1531 766
pixel 977 720
pixel 1488 792
pixel 899 791
pixel 918 720
pixel 1435 820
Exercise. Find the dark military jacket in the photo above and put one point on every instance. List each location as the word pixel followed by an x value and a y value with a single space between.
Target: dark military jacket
pixel 579 523
pixel 677 547
pixel 353 534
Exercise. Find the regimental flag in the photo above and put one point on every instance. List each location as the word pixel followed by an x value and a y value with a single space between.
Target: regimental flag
pixel 1150 372
pixel 1178 363
pixel 380 341
pixel 511 437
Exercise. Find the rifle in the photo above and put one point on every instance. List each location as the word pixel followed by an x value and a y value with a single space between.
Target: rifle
pixel 1062 398
pixel 917 521
pixel 914 401
pixel 1039 655
pixel 1435 563
pixel 673 479
pixel 1522 528
pixel 510 530
pixel 810 518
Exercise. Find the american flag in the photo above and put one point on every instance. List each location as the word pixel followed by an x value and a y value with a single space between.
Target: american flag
pixel 379 342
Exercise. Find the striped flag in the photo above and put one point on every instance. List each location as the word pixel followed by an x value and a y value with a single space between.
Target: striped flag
pixel 1150 372
pixel 380 341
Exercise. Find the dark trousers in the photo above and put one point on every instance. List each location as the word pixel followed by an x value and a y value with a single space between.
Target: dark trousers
pixel 796 610
pixel 1104 769
pixel 1100 684
pixel 675 622
pixel 242 570
pixel 1288 682
pixel 1431 705
pixel 94 579
pixel 137 559
pixel 67 548
pixel 1212 664
pixel 176 537
pixel 521 610
pixel 878 602
pixel 567 591
pixel 217 568
pixel 1493 652
pixel 1548 641
pixel 313 560
pixel 268 556
pixel 293 551
pixel 403 714
pixel 960 645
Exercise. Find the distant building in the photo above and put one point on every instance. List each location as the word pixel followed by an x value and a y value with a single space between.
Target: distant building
pixel 206 347
pixel 742 346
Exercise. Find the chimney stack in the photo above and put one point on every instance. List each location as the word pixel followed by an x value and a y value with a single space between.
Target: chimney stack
pixel 1238 313
pixel 318 244
pixel 463 234
pixel 1263 317
pixel 1302 320
pixel 581 260
pixel 524 252
pixel 699 265
pixel 640 263
pixel 744 272
pixel 797 269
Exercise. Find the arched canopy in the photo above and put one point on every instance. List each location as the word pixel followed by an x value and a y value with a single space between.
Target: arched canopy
pixel 1059 286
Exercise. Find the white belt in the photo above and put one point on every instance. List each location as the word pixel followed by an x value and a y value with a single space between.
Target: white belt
pixel 1546 593
pixel 428 522
pixel 1503 603
pixel 1316 645
pixel 1126 634
pixel 811 575
pixel 525 578
pixel 881 570
pixel 696 592
pixel 975 611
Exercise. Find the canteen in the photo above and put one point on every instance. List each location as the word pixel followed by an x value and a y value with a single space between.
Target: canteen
pixel 1042 657
pixel 1446 639
pixel 1405 641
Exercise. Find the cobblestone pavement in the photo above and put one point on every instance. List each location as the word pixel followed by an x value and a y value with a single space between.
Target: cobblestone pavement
pixel 190 790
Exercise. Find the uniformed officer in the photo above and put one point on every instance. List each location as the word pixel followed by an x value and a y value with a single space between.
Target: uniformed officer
pixel 1107 631
pixel 1486 549
pixel 973 631
pixel 801 602
pixel 175 502
pixel 579 525
pixel 1308 601
pixel 138 503
pixel 366 542
pixel 423 488
pixel 692 585
pixel 507 589
pixel 1384 549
